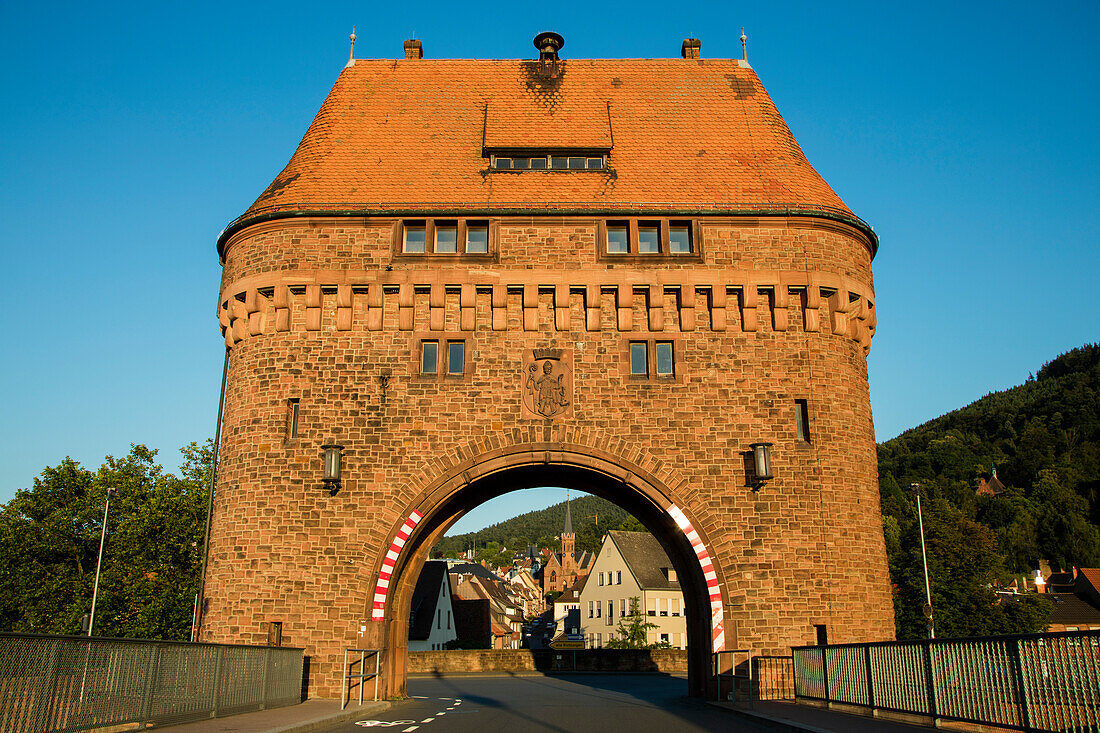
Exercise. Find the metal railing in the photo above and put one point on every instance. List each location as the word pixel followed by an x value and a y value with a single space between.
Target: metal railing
pixel 774 677
pixel 727 671
pixel 363 676
pixel 73 683
pixel 1048 682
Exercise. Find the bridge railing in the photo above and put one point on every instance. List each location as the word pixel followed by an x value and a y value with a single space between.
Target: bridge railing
pixel 1047 682
pixel 74 683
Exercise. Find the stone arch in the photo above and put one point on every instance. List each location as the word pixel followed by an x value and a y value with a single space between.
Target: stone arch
pixel 477 479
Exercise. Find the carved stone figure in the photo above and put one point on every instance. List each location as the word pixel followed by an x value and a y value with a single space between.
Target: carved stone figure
pixel 546 394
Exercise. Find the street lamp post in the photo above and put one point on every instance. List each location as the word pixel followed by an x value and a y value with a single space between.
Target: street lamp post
pixel 915 488
pixel 99 561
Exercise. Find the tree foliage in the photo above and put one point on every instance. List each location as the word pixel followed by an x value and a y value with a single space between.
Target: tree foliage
pixel 49 541
pixel 633 630
pixel 1043 437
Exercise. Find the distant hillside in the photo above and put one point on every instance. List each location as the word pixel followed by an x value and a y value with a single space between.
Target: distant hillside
pixel 542 527
pixel 1043 437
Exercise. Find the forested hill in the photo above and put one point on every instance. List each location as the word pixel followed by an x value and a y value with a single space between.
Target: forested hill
pixel 541 528
pixel 1043 438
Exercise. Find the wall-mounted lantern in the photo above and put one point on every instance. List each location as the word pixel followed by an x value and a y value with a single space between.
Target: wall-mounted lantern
pixel 762 463
pixel 333 458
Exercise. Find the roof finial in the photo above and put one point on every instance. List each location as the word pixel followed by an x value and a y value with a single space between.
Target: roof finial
pixel 744 45
pixel 351 53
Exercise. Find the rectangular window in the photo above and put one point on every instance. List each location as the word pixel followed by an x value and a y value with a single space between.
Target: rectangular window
pixel 664 358
pixel 590 609
pixel 679 239
pixel 599 609
pixel 429 357
pixel 622 607
pixel 651 607
pixel 576 163
pixel 618 239
pixel 601 578
pixel 414 237
pixel 477 238
pixel 619 573
pixel 521 163
pixel 664 638
pixel 502 163
pixel 610 612
pixel 292 418
pixel 538 163
pixel 446 238
pixel 456 356
pixel 595 163
pixel 649 238
pixel 802 420
pixel 638 359
pixel 822 632
pixel 559 163
pixel 675 606
pixel 439 619
pixel 662 606
pixel 448 619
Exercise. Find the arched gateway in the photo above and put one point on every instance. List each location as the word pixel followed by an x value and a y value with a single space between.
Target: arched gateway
pixel 481 276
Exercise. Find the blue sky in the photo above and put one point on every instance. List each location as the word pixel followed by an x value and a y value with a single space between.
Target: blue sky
pixel 132 133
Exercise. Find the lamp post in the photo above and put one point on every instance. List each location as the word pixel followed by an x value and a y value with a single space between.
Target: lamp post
pixel 915 488
pixel 99 561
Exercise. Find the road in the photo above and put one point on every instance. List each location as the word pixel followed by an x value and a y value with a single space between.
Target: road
pixel 562 704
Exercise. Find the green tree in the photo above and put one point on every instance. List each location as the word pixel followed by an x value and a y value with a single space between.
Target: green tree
pixel 633 630
pixel 49 540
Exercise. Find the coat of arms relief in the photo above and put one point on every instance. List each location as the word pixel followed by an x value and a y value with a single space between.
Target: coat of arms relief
pixel 547 383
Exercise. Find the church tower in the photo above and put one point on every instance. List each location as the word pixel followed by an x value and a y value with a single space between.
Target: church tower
pixel 568 539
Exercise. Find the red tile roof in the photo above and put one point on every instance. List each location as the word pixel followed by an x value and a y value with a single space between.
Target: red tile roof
pixel 412 135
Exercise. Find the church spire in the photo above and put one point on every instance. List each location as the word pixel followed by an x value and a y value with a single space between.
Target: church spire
pixel 568 519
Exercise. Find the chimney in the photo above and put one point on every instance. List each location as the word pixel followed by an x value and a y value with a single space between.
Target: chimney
pixel 690 48
pixel 414 50
pixel 548 43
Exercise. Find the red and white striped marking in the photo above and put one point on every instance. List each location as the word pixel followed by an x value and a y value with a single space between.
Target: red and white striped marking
pixel 717 626
pixel 383 588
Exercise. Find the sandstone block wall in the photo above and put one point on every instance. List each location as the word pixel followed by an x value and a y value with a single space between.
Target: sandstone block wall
pixel 325 312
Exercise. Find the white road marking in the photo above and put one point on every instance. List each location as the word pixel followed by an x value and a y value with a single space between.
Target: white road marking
pixel 382 723
pixel 427 720
pixel 410 729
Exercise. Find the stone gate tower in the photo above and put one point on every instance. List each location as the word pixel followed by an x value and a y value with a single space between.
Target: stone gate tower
pixel 615 276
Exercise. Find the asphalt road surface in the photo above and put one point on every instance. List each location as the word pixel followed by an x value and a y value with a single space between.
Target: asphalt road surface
pixel 565 704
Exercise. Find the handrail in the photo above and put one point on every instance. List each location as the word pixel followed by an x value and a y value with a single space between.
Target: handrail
pixel 362 676
pixel 733 675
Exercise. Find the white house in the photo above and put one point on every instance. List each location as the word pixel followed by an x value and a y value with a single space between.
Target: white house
pixel 431 620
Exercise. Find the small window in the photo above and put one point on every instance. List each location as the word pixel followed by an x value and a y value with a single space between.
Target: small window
pixel 679 239
pixel 414 237
pixel 664 358
pixel 595 163
pixel 502 163
pixel 664 638
pixel 477 238
pixel 622 607
pixel 590 611
pixel 610 612
pixel 802 420
pixel 446 238
pixel 822 632
pixel 620 577
pixel 601 578
pixel 456 356
pixel 538 163
pixel 638 359
pixel 521 163
pixel 675 606
pixel 618 239
pixel 599 609
pixel 576 163
pixel 292 418
pixel 429 357
pixel 559 162
pixel 649 238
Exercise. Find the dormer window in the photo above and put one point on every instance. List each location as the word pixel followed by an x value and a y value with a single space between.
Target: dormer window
pixel 548 161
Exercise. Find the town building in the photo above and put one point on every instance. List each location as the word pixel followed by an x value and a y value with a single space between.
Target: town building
pixel 562 569
pixel 632 565
pixel 617 276
pixel 431 621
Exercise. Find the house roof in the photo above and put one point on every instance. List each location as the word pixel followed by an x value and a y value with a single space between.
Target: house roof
pixel 1073 610
pixel 1092 575
pixel 681 135
pixel 645 557
pixel 425 597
